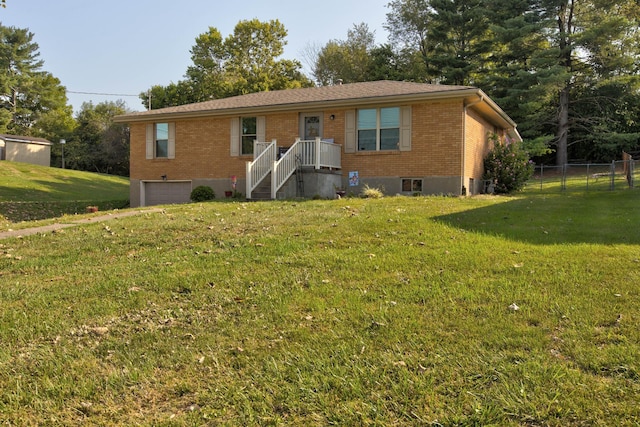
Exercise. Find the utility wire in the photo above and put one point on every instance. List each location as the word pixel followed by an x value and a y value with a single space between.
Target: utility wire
pixel 100 93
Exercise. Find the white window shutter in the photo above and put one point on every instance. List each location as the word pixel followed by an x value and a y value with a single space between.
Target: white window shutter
pixel 150 142
pixel 350 131
pixel 405 128
pixel 171 145
pixel 261 129
pixel 234 146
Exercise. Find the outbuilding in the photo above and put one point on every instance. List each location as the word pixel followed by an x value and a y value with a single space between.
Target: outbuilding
pixel 26 149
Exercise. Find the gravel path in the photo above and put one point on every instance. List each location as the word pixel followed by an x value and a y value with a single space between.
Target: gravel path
pixel 58 226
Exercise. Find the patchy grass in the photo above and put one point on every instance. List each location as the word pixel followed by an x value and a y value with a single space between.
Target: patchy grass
pixel 389 311
pixel 30 192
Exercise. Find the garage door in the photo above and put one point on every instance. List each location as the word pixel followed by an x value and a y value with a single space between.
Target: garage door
pixel 164 193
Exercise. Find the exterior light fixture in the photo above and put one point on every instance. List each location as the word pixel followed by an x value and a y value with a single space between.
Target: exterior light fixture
pixel 62 142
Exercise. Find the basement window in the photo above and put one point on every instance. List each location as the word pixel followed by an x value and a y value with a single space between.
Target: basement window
pixel 411 185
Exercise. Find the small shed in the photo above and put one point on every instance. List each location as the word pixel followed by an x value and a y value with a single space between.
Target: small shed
pixel 25 149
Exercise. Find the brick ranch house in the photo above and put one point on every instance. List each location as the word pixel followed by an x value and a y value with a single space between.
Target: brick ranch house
pixel 406 138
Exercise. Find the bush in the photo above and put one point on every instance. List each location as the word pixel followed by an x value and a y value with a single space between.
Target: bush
pixel 372 193
pixel 508 166
pixel 202 193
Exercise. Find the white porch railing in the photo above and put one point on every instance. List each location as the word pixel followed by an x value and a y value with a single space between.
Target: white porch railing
pixel 310 153
pixel 261 165
pixel 260 147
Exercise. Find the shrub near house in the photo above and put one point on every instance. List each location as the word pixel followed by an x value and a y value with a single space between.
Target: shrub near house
pixel 507 166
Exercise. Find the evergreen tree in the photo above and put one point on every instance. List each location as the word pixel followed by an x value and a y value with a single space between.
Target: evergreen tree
pixel 32 101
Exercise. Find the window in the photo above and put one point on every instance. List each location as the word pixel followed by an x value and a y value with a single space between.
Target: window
pixel 245 130
pixel 410 185
pixel 249 133
pixel 378 129
pixel 162 140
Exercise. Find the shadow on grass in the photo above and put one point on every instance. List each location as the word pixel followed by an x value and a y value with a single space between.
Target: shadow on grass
pixel 602 218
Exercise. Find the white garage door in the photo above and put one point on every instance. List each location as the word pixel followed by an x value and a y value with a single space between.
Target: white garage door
pixel 164 193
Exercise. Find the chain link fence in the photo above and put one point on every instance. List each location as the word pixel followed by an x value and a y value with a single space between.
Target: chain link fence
pixel 585 176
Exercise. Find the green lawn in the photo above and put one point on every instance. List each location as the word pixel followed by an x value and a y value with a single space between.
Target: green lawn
pixel 344 312
pixel 29 192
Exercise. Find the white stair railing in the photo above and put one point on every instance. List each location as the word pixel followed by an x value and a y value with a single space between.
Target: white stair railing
pixel 286 166
pixel 314 153
pixel 259 168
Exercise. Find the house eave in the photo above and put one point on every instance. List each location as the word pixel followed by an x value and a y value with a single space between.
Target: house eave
pixel 150 116
pixel 485 106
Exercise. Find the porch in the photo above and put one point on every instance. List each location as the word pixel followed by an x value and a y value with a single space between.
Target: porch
pixel 275 167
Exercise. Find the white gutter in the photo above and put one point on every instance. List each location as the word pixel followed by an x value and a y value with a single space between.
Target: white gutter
pixel 464 134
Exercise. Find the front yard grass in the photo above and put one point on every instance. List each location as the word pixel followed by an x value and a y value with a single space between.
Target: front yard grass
pixel 394 311
pixel 31 192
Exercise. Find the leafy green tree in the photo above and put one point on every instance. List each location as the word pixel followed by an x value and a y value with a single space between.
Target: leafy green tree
pixel 252 64
pixel 408 24
pixel 98 144
pixel 206 76
pixel 244 62
pixel 346 60
pixel 31 100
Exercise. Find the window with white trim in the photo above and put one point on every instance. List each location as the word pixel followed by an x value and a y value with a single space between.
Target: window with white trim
pixel 378 129
pixel 249 133
pixel 161 140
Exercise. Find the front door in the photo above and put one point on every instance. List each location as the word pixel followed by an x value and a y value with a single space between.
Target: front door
pixel 311 126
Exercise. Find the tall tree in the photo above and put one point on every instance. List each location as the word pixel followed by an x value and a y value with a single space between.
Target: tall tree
pixel 98 144
pixel 408 24
pixel 516 76
pixel 206 76
pixel 249 60
pixel 346 60
pixel 459 40
pixel 451 36
pixel 552 64
pixel 590 44
pixel 253 64
pixel 29 97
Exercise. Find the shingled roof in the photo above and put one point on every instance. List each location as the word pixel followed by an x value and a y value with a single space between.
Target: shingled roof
pixel 289 99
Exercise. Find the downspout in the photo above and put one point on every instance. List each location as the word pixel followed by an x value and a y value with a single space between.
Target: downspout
pixel 464 135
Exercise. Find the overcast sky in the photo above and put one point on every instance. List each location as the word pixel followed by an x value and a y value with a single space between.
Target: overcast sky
pixel 124 47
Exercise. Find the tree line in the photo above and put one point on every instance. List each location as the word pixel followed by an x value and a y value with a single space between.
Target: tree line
pixel 34 103
pixel 565 70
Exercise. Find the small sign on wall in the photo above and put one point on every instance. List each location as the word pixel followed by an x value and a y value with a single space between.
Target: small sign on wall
pixel 354 179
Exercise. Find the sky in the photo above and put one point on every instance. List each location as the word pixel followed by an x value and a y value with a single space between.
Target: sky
pixel 123 47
